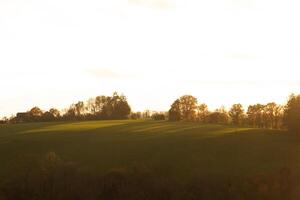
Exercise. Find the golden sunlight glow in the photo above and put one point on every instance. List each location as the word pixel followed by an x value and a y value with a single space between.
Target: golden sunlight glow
pixel 53 53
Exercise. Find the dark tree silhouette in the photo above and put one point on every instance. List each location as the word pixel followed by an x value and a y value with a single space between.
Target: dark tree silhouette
pixel 101 107
pixel 75 112
pixel 120 107
pixel 47 117
pixel 51 115
pixel 55 113
pixel 292 114
pixel 175 112
pixel 35 114
pixel 70 113
pixel 79 109
pixel 101 104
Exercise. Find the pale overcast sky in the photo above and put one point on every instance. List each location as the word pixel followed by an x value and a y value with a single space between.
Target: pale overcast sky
pixel 56 52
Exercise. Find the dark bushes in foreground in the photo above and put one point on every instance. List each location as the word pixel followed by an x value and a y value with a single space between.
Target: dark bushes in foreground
pixel 54 179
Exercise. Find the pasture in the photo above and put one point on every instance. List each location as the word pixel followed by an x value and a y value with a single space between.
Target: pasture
pixel 181 150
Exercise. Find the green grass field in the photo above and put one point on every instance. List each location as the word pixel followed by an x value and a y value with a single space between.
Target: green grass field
pixel 182 149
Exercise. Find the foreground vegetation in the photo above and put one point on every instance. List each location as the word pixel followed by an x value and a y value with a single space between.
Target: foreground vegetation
pixel 52 178
pixel 177 152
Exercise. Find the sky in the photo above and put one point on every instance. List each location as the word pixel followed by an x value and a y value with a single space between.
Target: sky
pixel 57 52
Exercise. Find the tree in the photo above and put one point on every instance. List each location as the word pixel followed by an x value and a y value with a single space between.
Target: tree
pixel 47 117
pixel 265 116
pixel 223 115
pixel 175 112
pixel 75 111
pixel 91 106
pixel 202 112
pixel 222 109
pixel 36 111
pixel 4 120
pixel 292 113
pixel 51 115
pixel 183 108
pixel 217 117
pixel 278 114
pixel 135 115
pixel 101 107
pixel 269 115
pixel 35 114
pixel 55 113
pixel 106 107
pixel 251 113
pixel 255 115
pixel 100 103
pixel 158 116
pixel 79 109
pixel 70 113
pixel 120 107
pixel 188 105
pixel 236 113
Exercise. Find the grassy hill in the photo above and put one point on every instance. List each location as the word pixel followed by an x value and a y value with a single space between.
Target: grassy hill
pixel 181 150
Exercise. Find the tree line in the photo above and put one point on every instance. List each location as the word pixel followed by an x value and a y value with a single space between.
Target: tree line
pixel 97 108
pixel 270 115
pixel 100 107
pixel 186 108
